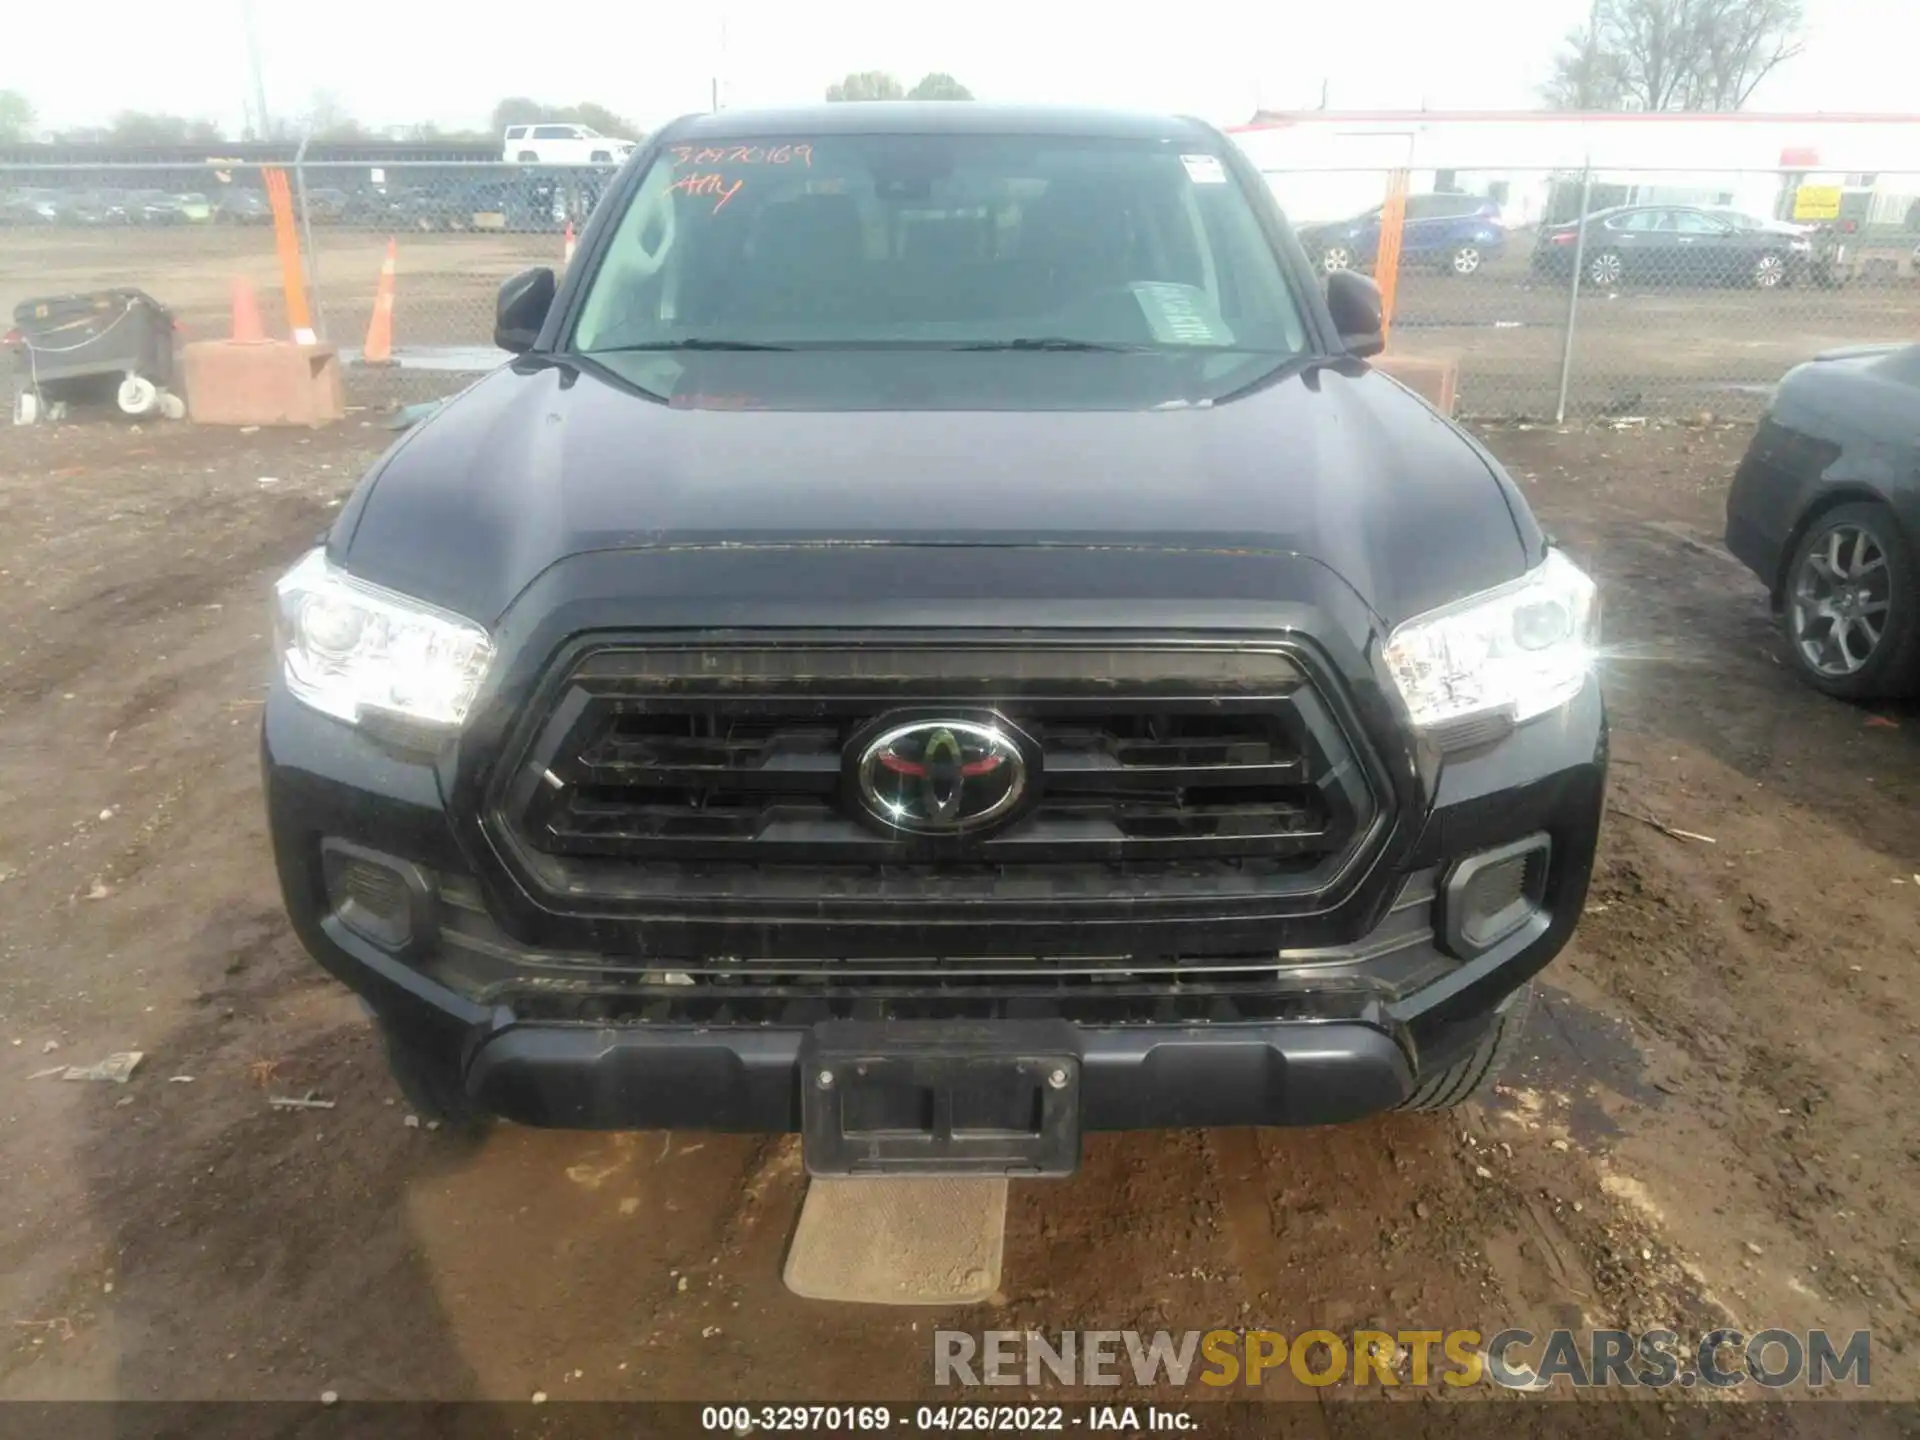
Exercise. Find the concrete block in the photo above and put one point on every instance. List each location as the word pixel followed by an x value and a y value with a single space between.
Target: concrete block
pixel 272 383
pixel 1435 381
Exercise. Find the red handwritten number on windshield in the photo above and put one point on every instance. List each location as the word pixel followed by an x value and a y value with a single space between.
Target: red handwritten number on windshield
pixel 708 184
pixel 742 155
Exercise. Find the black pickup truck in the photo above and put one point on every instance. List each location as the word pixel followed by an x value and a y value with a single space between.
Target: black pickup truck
pixel 939 641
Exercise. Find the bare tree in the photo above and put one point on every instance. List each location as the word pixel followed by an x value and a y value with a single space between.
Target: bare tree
pixel 939 86
pixel 133 127
pixel 599 117
pixel 866 85
pixel 1584 76
pixel 518 110
pixel 16 117
pixel 1673 54
pixel 327 120
pixel 1741 43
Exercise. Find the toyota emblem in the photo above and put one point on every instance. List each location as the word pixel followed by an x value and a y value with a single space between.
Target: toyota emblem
pixel 940 777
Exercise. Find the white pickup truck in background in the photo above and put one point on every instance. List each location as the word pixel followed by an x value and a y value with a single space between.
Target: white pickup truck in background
pixel 562 144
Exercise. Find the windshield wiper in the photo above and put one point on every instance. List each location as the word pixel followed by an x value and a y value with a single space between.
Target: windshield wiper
pixel 1048 342
pixel 695 342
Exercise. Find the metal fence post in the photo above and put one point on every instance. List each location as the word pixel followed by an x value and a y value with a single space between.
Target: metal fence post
pixel 1573 294
pixel 310 259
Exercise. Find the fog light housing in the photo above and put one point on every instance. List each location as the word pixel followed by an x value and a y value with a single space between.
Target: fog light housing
pixel 1492 896
pixel 379 898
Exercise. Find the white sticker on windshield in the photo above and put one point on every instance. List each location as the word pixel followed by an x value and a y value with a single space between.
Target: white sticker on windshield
pixel 1180 314
pixel 1204 169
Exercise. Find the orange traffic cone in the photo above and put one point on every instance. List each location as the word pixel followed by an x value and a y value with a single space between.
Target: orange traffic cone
pixel 566 255
pixel 379 347
pixel 247 329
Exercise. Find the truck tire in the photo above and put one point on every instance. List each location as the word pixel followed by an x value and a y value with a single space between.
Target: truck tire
pixel 432 1087
pixel 1474 1074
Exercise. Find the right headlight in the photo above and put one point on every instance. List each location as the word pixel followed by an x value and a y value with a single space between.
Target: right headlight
pixel 350 649
pixel 1521 649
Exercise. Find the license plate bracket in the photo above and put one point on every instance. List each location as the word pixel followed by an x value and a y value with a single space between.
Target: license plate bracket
pixel 929 1098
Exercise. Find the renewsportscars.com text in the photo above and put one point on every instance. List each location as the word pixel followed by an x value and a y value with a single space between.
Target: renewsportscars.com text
pixel 1511 1359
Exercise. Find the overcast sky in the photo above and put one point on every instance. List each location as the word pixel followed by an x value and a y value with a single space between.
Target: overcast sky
pixel 397 61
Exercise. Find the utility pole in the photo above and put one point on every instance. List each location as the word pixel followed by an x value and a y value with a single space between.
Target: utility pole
pixel 253 61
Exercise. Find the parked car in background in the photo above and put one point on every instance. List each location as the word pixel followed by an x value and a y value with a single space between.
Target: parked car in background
pixel 95 207
pixel 399 207
pixel 240 206
pixel 562 145
pixel 195 208
pixel 1831 243
pixel 514 205
pixel 1678 244
pixel 1825 509
pixel 530 203
pixel 30 207
pixel 1458 233
pixel 153 207
pixel 328 205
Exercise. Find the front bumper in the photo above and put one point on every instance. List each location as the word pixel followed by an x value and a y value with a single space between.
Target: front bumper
pixel 1145 1077
pixel 1338 1035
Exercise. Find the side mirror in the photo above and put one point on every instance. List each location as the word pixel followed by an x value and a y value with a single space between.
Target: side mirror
pixel 522 309
pixel 1354 301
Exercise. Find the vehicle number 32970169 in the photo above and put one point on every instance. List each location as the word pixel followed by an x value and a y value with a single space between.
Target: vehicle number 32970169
pixel 921 1419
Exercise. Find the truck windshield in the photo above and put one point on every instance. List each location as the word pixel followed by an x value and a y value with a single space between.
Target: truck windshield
pixel 940 242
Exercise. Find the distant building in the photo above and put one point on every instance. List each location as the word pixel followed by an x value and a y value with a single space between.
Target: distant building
pixel 1326 165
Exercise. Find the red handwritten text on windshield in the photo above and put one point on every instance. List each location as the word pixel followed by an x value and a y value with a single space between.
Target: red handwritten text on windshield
pixel 801 154
pixel 708 184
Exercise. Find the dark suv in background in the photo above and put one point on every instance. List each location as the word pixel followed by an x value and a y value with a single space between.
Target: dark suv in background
pixel 1457 233
pixel 939 641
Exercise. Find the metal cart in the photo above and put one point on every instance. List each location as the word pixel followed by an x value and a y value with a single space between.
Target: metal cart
pixel 79 347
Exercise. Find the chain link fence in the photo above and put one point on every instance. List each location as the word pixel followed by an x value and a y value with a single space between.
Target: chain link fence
pixel 183 234
pixel 1677 293
pixel 1680 292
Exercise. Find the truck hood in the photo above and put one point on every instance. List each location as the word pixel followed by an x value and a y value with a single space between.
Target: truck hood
pixel 1337 466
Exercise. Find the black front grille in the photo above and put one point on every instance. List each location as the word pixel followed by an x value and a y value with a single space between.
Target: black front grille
pixel 721 771
pixel 700 781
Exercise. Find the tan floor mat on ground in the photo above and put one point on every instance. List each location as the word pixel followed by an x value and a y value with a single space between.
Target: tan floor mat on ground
pixel 899 1240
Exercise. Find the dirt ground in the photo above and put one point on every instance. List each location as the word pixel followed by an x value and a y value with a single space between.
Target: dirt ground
pixel 1709 1122
pixel 1642 350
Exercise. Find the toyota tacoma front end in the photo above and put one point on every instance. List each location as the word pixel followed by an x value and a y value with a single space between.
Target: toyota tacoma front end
pixel 940 643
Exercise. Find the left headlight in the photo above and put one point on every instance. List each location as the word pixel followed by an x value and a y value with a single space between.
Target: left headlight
pixel 1521 649
pixel 348 648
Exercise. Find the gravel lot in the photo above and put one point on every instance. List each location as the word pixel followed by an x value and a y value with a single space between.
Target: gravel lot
pixel 1707 1124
